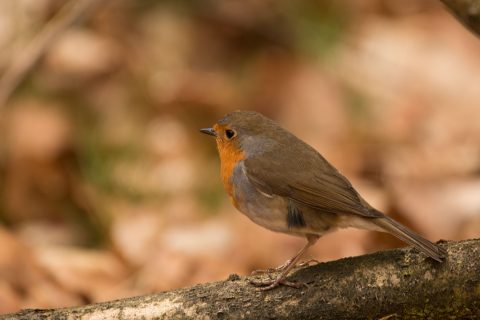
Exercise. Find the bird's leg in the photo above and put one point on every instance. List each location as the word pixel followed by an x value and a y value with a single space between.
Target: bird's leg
pixel 270 284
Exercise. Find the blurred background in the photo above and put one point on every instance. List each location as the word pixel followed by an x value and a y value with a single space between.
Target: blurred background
pixel 108 190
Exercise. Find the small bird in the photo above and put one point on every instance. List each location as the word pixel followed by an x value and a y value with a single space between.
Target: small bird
pixel 285 185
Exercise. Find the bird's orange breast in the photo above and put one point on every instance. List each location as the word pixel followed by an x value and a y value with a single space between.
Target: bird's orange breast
pixel 230 155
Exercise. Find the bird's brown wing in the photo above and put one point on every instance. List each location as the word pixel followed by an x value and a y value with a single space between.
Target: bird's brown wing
pixel 307 180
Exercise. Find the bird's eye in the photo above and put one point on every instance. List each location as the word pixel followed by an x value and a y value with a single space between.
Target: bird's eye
pixel 230 134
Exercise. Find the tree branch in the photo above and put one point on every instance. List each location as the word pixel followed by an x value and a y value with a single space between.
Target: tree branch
pixel 467 12
pixel 396 284
pixel 22 64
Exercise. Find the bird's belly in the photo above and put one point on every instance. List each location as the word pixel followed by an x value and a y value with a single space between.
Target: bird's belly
pixel 271 211
pixel 268 212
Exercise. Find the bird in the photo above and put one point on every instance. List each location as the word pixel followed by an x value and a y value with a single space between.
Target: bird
pixel 283 184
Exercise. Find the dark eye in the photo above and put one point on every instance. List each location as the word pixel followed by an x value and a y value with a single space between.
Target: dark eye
pixel 229 134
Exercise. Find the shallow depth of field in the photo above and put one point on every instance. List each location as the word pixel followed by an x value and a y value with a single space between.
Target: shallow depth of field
pixel 108 190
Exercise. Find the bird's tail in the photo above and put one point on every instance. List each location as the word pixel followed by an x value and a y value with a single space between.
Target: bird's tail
pixel 403 233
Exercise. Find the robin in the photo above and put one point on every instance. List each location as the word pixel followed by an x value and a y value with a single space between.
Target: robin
pixel 285 185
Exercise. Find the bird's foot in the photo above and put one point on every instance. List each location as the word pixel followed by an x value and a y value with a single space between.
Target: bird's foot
pixel 272 270
pixel 308 263
pixel 283 266
pixel 265 285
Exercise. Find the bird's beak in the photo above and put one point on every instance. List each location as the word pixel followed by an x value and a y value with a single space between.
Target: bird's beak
pixel 209 131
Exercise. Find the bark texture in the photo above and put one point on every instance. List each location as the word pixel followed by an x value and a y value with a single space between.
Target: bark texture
pixel 467 12
pixel 395 284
